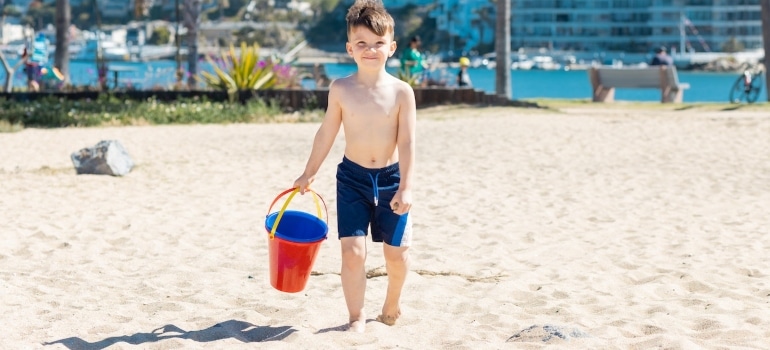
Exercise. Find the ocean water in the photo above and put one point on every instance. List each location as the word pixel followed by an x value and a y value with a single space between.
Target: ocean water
pixel 558 84
pixel 561 84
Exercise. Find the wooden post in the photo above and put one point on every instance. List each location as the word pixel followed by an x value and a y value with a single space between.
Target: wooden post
pixel 600 92
pixel 665 86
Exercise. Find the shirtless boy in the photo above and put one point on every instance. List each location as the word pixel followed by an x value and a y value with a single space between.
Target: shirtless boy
pixel 374 179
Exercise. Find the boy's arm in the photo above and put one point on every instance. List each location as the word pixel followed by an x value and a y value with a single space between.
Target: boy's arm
pixel 407 123
pixel 324 139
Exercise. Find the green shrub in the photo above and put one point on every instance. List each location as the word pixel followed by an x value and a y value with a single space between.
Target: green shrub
pixel 160 36
pixel 404 74
pixel 238 73
pixel 51 112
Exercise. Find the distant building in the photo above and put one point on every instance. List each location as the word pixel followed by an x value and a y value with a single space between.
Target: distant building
pixel 635 25
pixel 467 23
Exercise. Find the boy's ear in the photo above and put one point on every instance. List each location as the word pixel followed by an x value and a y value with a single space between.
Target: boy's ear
pixel 349 48
pixel 393 47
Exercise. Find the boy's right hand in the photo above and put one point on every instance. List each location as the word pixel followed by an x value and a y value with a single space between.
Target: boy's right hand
pixel 303 183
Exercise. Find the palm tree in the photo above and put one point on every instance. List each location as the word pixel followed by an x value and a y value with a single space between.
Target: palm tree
pixel 503 49
pixel 8 10
pixel 61 58
pixel 192 12
pixel 222 5
pixel 101 64
pixel 766 39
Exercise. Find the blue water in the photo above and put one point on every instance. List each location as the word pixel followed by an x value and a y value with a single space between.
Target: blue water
pixel 704 87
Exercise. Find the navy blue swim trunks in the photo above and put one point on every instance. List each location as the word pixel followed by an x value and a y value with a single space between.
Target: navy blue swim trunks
pixel 363 200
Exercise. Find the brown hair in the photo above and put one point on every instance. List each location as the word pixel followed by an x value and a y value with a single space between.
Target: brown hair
pixel 372 15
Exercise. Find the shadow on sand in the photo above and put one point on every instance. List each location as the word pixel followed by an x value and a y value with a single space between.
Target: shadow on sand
pixel 243 331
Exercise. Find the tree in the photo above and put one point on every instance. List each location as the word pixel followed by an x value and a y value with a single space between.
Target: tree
pixel 503 49
pixel 38 14
pixel 192 12
pixel 9 71
pixel 221 6
pixel 61 58
pixel 485 19
pixel 160 36
pixel 766 40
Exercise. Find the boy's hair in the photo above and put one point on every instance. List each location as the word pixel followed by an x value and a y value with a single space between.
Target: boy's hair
pixel 372 15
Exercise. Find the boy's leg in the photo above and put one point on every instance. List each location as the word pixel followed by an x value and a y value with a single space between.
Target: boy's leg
pixel 397 266
pixel 353 275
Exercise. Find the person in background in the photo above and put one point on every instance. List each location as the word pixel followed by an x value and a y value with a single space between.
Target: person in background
pixel 463 78
pixel 413 60
pixel 661 58
pixel 32 72
pixel 33 63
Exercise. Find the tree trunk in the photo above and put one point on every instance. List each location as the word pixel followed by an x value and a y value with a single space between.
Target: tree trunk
pixel 766 39
pixel 192 11
pixel 61 58
pixel 101 65
pixel 503 49
pixel 9 71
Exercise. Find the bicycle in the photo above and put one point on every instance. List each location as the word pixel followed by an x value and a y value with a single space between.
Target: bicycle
pixel 747 86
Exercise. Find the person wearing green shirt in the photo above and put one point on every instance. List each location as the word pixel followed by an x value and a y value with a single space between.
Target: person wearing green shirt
pixel 412 58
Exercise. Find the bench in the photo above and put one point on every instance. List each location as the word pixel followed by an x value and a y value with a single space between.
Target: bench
pixel 604 80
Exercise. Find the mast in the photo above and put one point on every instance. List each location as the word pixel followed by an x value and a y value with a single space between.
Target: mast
pixel 682 34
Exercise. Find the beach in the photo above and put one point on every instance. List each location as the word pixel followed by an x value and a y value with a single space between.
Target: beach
pixel 587 227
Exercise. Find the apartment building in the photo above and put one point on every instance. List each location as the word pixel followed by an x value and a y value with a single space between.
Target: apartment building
pixel 635 25
pixel 466 23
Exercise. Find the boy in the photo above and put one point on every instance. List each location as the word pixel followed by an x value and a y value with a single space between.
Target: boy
pixel 374 179
pixel 463 78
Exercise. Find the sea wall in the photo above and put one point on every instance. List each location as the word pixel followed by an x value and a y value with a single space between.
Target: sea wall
pixel 290 100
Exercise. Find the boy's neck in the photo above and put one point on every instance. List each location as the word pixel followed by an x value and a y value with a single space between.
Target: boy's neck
pixel 371 78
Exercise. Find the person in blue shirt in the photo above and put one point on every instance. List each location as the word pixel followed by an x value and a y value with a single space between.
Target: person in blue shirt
pixel 661 58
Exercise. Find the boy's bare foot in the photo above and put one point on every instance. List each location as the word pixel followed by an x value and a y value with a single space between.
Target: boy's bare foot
pixel 387 319
pixel 358 326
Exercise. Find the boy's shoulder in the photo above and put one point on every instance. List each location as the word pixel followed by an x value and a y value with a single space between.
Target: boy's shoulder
pixel 349 82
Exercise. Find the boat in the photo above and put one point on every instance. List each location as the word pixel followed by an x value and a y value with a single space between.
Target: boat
pixel 545 63
pixel 518 61
pixel 110 51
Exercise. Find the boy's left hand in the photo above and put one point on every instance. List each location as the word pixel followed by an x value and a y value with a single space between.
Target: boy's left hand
pixel 401 202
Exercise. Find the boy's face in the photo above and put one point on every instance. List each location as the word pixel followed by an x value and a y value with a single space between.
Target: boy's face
pixel 369 49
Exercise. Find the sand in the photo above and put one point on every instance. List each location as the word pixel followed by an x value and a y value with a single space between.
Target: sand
pixel 585 228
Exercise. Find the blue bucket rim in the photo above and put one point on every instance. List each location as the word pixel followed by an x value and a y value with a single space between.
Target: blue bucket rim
pixel 294 239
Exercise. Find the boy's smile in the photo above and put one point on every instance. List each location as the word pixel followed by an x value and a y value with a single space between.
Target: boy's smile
pixel 368 48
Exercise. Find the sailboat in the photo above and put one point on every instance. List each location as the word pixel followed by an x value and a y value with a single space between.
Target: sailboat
pixel 687 56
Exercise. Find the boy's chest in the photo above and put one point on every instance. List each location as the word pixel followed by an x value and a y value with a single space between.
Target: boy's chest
pixel 373 103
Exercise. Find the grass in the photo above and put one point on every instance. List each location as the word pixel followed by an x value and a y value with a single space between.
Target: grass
pixel 54 112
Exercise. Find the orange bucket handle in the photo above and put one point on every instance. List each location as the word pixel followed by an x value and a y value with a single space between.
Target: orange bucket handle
pixel 294 191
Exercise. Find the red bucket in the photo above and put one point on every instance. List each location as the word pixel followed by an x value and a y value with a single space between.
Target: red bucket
pixel 294 238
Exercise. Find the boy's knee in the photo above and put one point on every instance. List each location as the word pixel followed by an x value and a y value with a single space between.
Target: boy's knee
pixel 396 256
pixel 353 257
